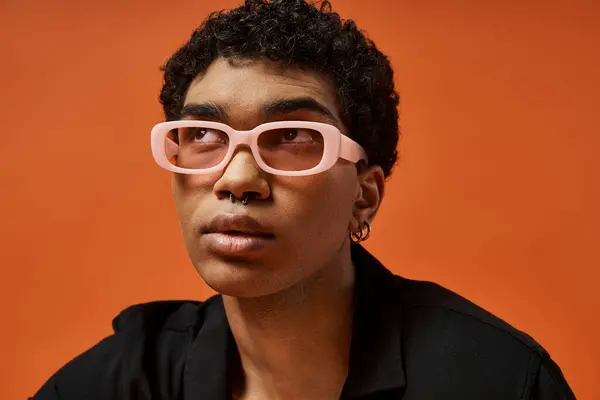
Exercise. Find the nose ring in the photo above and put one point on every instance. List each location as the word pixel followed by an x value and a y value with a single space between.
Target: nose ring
pixel 244 200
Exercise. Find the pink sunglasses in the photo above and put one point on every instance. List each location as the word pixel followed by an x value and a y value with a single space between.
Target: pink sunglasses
pixel 291 148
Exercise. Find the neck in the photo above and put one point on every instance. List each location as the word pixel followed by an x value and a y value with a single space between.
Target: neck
pixel 296 344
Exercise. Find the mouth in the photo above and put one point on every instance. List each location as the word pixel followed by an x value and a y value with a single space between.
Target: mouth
pixel 236 234
pixel 237 243
pixel 242 233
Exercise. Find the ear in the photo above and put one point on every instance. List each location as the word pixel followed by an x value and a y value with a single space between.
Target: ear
pixel 369 194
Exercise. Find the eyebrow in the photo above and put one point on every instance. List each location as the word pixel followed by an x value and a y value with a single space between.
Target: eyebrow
pixel 285 106
pixel 275 108
pixel 204 110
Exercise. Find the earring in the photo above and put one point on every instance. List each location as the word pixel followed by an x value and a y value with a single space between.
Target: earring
pixel 362 235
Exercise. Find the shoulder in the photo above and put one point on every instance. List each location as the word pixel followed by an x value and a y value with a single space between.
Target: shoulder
pixel 431 303
pixel 447 335
pixel 158 316
pixel 149 339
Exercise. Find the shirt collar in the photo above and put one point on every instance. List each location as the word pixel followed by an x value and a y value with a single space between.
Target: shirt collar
pixel 376 360
pixel 205 375
pixel 375 354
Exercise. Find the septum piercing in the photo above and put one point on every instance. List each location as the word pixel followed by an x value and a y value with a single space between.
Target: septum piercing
pixel 244 200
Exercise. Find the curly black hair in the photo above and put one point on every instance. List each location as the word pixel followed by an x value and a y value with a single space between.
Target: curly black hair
pixel 305 34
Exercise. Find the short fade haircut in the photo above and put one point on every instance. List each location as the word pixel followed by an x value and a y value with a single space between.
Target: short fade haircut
pixel 307 35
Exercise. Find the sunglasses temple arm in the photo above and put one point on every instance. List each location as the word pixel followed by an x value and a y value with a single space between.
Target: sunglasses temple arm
pixel 352 151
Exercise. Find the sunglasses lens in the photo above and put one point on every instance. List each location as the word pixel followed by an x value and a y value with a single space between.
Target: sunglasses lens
pixel 291 149
pixel 196 147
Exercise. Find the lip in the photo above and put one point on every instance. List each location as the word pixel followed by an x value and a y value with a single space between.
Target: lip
pixel 237 223
pixel 236 234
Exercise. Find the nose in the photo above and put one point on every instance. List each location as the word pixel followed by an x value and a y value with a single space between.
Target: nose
pixel 243 177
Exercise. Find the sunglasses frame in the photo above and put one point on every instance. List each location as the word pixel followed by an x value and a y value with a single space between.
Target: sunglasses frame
pixel 335 145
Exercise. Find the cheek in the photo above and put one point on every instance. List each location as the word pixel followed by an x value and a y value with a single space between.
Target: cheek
pixel 322 203
pixel 188 192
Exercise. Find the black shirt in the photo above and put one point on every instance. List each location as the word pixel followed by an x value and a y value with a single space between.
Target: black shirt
pixel 410 340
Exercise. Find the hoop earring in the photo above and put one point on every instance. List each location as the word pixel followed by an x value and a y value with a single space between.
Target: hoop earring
pixel 361 236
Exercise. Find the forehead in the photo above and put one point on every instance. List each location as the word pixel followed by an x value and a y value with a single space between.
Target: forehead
pixel 243 86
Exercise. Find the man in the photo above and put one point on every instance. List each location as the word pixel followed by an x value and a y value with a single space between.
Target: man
pixel 282 128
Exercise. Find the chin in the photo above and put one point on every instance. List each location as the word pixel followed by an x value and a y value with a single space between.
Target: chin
pixel 241 278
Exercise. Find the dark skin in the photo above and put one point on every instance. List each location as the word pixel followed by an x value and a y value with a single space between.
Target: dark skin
pixel 290 306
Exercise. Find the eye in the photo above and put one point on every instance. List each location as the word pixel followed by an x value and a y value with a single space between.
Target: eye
pixel 296 135
pixel 205 135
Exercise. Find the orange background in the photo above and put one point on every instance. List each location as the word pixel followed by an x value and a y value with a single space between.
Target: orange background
pixel 496 196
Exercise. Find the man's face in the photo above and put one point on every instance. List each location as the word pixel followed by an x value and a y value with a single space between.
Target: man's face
pixel 308 216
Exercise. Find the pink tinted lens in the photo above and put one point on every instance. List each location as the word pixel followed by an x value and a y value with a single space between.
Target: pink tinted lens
pixel 291 149
pixel 196 147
